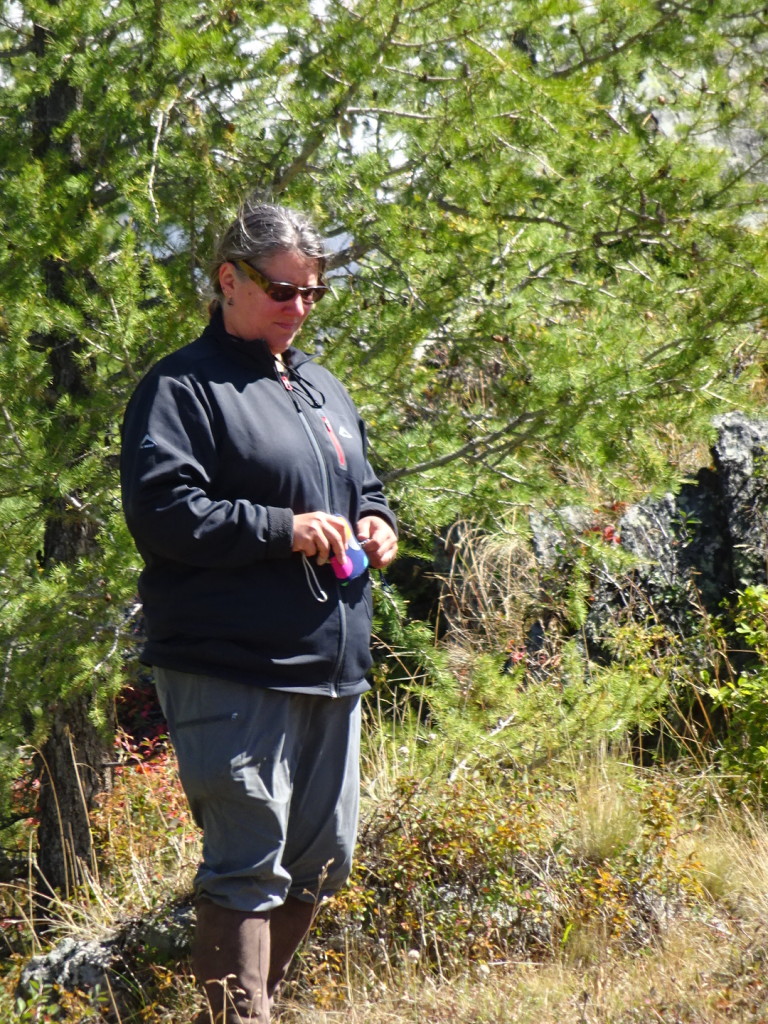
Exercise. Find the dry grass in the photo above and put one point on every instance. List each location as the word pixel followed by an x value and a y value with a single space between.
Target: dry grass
pixel 487 594
pixel 700 974
pixel 732 863
pixel 704 965
pixel 606 813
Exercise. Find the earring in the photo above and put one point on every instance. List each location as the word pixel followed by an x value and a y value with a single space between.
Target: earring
pixel 230 301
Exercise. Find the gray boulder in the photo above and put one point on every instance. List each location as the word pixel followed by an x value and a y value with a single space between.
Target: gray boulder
pixel 741 459
pixel 690 550
pixel 73 964
pixel 101 967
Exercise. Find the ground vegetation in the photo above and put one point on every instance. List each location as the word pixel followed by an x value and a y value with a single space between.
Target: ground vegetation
pixel 548 225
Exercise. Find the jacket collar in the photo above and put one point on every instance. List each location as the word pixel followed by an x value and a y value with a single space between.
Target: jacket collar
pixel 255 353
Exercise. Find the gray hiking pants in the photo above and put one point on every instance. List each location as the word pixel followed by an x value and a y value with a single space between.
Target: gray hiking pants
pixel 272 779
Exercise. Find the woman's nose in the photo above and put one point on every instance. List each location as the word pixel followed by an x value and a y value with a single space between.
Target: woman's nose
pixel 300 304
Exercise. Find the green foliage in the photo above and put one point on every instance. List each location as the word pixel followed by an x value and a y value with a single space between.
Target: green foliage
pixel 553 660
pixel 549 255
pixel 42 1005
pixel 524 684
pixel 744 696
pixel 490 871
pixel 482 716
pixel 405 645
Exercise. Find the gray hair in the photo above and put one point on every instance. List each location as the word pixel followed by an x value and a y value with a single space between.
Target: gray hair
pixel 262 230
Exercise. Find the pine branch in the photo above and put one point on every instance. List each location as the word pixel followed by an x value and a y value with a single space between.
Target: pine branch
pixel 352 254
pixel 12 431
pixel 617 46
pixel 388 112
pixel 316 138
pixel 477 447
pixel 16 51
pixel 511 218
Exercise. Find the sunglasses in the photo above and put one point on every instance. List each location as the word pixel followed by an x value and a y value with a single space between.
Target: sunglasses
pixel 282 291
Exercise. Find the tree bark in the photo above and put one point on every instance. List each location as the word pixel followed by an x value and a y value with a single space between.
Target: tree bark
pixel 71 761
pixel 72 773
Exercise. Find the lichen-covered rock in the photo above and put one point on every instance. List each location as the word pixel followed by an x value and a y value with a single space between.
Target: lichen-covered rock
pixel 682 547
pixel 690 550
pixel 167 935
pixel 704 541
pixel 71 965
pixel 553 532
pixel 741 458
pixel 100 967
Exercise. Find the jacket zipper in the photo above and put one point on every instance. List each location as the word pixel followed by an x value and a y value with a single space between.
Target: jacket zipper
pixel 335 442
pixel 324 476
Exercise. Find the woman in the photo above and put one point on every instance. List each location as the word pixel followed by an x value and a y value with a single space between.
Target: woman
pixel 243 464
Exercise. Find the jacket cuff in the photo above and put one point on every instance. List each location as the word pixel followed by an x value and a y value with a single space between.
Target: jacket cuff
pixel 280 537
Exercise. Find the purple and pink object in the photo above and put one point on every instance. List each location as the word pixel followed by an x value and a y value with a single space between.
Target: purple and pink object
pixel 355 559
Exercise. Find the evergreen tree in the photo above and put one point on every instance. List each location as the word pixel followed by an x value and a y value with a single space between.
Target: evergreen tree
pixel 550 258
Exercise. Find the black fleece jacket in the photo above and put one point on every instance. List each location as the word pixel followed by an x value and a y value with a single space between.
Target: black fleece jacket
pixel 220 449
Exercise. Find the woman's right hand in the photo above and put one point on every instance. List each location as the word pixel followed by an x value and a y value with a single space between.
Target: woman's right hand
pixel 320 534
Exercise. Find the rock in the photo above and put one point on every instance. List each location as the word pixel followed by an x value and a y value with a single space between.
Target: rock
pixel 72 965
pixel 741 458
pixel 552 532
pixel 99 966
pixel 167 935
pixel 691 550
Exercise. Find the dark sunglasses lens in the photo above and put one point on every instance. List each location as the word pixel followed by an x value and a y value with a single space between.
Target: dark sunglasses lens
pixel 281 292
pixel 315 294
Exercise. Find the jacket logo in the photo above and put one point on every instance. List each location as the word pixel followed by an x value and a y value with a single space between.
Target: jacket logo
pixel 343 432
pixel 147 442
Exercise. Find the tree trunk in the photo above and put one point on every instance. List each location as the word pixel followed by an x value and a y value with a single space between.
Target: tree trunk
pixel 71 761
pixel 72 773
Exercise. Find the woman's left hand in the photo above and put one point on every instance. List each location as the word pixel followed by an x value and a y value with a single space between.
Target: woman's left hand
pixel 378 540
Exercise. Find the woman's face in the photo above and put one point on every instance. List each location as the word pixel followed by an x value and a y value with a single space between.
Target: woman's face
pixel 252 314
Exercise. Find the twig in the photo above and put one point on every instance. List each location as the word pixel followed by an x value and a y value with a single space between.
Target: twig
pixel 161 121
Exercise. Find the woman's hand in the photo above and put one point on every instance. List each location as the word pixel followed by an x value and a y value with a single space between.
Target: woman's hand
pixel 320 534
pixel 378 540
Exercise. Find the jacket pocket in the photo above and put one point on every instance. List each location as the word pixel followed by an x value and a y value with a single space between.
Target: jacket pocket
pixel 229 716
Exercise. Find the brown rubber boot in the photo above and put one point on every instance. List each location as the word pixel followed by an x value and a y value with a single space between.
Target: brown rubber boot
pixel 230 960
pixel 288 924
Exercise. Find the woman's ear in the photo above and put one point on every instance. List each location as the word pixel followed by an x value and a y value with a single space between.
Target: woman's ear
pixel 227 278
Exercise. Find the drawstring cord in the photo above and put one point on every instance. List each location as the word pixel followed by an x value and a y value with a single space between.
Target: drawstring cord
pixel 305 389
pixel 314 583
pixel 301 386
pixel 289 376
